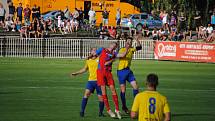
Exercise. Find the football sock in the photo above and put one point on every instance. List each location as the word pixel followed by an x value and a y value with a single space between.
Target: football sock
pixel 115 100
pixel 105 99
pixel 101 106
pixel 135 92
pixel 83 104
pixel 122 95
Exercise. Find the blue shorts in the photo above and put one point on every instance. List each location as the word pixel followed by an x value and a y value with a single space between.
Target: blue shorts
pixel 125 74
pixel 92 86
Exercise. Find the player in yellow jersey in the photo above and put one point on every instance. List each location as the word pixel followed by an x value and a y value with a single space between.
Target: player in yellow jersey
pixel 124 72
pixel 151 105
pixel 91 66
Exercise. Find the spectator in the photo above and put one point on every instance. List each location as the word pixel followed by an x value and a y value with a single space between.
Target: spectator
pixel 211 37
pixel 209 30
pixel 34 11
pixel 118 17
pixel 155 34
pixel 39 32
pixel 19 10
pixel 92 15
pixel 165 19
pixel 213 19
pixel 23 32
pixel 11 10
pixel 197 21
pixel 31 31
pixel 27 14
pixel 105 15
pixel 182 23
pixel 202 32
pixel 173 21
pixel 9 24
pixel 38 15
pixel 2 14
pixel 81 16
pixel 67 13
pixel 76 14
pixel 112 32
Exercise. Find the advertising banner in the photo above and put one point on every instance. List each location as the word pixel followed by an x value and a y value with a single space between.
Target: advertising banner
pixel 185 51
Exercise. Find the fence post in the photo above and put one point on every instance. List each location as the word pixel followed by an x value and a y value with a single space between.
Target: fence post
pixel 81 48
pixel 43 47
pixel 4 47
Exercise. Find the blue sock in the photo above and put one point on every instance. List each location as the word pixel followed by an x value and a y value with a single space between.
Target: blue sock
pixel 135 92
pixel 101 106
pixel 122 95
pixel 83 104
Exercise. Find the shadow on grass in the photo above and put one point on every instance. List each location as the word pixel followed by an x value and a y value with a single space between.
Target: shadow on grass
pixel 187 114
pixel 5 93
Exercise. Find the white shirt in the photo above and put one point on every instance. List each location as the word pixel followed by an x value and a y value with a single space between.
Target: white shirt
pixel 164 19
pixel 91 13
pixel 209 29
pixel 2 12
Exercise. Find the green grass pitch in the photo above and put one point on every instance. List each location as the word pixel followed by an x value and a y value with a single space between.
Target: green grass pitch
pixel 41 90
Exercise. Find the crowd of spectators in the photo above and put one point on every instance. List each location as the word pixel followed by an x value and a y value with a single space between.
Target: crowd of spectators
pixel 175 28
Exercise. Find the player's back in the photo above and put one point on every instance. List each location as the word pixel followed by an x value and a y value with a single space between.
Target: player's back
pixel 151 106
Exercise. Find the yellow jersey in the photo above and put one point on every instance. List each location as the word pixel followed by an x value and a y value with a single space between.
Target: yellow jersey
pixel 92 65
pixel 126 61
pixel 151 106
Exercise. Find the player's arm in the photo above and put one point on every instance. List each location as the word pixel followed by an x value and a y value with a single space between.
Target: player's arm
pixel 81 71
pixel 167 111
pixel 135 108
pixel 167 116
pixel 122 54
pixel 133 114
pixel 139 46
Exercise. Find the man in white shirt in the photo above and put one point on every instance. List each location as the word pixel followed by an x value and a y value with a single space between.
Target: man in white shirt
pixel 92 15
pixel 209 29
pixel 67 13
pixel 76 14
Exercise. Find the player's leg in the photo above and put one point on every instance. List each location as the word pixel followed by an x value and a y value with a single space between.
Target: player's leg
pixel 122 77
pixel 114 93
pixel 101 102
pixel 84 101
pixel 133 82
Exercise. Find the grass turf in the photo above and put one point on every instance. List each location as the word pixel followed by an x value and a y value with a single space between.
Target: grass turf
pixel 41 90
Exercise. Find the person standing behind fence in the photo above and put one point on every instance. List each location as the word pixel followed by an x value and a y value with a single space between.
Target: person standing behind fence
pixel 150 105
pixel 81 16
pixel 76 14
pixel 19 10
pixel 67 13
pixel 34 12
pixel 105 15
pixel 213 20
pixel 118 17
pixel 27 14
pixel 92 15
pixel 11 10
pixel 2 14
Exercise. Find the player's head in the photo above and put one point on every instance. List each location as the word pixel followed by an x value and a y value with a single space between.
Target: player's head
pixel 152 80
pixel 93 51
pixel 128 42
pixel 113 45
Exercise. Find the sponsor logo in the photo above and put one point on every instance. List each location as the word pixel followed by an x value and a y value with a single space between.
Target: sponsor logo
pixel 166 50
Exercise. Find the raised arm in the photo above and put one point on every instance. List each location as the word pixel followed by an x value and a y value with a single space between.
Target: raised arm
pixel 81 71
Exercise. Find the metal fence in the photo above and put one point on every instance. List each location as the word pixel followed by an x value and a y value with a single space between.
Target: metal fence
pixel 62 48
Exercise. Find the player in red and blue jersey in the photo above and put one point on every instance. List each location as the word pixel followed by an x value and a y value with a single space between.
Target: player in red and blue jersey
pixel 105 78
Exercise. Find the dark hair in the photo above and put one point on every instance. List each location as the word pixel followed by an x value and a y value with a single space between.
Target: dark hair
pixel 152 80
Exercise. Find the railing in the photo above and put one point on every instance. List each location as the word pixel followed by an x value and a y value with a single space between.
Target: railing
pixel 62 48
